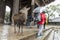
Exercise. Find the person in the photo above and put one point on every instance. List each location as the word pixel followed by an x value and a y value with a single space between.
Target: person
pixel 41 23
pixel 36 12
pixel 44 25
pixel 46 22
pixel 29 20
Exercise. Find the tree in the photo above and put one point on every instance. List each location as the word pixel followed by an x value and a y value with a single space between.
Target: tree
pixel 51 9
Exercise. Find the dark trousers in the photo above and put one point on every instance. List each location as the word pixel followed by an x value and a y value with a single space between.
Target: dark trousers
pixel 37 25
pixel 44 25
pixel 27 23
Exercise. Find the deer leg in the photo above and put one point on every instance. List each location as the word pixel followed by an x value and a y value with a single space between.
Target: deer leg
pixel 14 29
pixel 19 29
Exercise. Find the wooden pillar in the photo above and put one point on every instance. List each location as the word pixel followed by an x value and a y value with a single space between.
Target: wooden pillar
pixel 2 10
pixel 15 8
pixel 32 8
pixel 32 4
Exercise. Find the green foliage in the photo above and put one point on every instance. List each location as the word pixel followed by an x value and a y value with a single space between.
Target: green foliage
pixel 7 16
pixel 51 9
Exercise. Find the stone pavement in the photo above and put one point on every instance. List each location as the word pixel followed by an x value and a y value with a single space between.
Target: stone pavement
pixel 7 32
pixel 54 35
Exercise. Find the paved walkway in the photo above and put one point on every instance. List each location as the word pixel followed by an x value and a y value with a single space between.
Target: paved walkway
pixel 55 34
pixel 7 32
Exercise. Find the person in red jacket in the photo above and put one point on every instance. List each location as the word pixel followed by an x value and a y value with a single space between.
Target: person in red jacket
pixel 41 23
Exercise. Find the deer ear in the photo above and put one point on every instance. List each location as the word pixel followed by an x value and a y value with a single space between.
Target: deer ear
pixel 28 8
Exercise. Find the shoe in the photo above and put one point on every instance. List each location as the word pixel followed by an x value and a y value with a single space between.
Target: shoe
pixel 38 36
pixel 41 34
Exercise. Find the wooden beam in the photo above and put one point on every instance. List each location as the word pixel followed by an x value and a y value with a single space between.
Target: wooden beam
pixel 44 2
pixel 15 8
pixel 37 3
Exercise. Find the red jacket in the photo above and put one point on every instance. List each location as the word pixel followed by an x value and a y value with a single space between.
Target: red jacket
pixel 43 18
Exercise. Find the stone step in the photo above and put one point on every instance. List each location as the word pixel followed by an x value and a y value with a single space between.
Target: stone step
pixel 45 35
pixel 51 36
pixel 56 35
pixel 32 35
